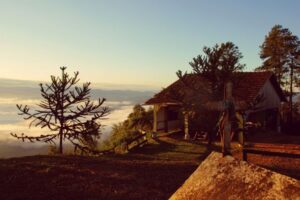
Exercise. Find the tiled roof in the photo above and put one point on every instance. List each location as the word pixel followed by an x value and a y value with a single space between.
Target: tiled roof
pixel 167 94
pixel 249 84
pixel 246 89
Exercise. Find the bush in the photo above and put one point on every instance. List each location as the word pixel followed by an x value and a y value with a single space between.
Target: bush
pixel 140 120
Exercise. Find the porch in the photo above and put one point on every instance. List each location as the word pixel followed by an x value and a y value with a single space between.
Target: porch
pixel 170 118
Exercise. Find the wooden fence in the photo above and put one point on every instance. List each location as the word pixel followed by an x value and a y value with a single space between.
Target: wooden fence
pixel 138 141
pixel 109 151
pixel 282 150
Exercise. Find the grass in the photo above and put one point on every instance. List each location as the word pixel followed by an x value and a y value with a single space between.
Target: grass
pixel 155 171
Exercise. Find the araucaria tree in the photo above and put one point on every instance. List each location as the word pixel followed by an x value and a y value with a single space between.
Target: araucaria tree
pixel 217 65
pixel 68 112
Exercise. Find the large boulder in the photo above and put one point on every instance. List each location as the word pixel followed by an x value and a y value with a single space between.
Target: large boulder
pixel 224 178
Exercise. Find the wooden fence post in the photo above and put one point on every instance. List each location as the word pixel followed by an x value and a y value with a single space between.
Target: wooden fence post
pixel 244 154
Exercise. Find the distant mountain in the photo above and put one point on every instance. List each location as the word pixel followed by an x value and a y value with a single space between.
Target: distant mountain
pixel 17 83
pixel 123 95
pixel 30 90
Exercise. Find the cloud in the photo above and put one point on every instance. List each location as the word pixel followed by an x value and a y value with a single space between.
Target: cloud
pixel 13 123
pixel 18 83
pixel 120 99
pixel 19 128
pixel 15 92
pixel 14 101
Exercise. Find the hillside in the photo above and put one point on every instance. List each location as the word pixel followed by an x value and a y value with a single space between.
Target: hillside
pixel 153 172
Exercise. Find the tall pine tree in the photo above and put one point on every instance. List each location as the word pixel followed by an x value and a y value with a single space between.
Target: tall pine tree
pixel 279 53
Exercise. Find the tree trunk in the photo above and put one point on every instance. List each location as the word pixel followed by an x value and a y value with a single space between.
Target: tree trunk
pixel 62 120
pixel 291 92
pixel 60 141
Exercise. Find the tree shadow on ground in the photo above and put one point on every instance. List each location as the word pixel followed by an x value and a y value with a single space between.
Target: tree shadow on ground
pixel 158 147
pixel 170 148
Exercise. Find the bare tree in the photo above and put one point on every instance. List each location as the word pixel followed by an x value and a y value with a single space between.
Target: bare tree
pixel 68 112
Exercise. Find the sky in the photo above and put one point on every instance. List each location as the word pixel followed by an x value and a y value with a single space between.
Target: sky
pixel 132 42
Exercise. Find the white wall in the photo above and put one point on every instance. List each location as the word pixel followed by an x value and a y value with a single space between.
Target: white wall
pixel 161 118
pixel 270 97
pixel 172 124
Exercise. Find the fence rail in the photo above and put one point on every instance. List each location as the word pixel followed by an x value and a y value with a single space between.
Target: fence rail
pixel 110 151
pixel 281 150
pixel 138 141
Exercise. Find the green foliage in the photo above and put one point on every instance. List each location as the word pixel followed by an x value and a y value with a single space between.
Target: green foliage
pixel 91 139
pixel 219 62
pixel 279 52
pixel 217 65
pixel 138 121
pixel 121 133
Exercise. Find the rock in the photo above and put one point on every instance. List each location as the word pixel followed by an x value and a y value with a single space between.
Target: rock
pixel 228 178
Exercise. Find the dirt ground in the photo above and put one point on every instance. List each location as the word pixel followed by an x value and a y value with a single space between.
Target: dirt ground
pixel 155 171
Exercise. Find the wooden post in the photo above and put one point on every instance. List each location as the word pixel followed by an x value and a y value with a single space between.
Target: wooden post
pixel 227 121
pixel 186 126
pixel 155 109
pixel 154 132
pixel 241 128
pixel 228 91
pixel 227 136
pixel 244 154
pixel 227 106
pixel 166 128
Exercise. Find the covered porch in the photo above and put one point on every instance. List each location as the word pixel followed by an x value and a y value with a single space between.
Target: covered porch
pixel 169 118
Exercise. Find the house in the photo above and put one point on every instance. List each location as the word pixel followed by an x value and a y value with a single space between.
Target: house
pixel 169 114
